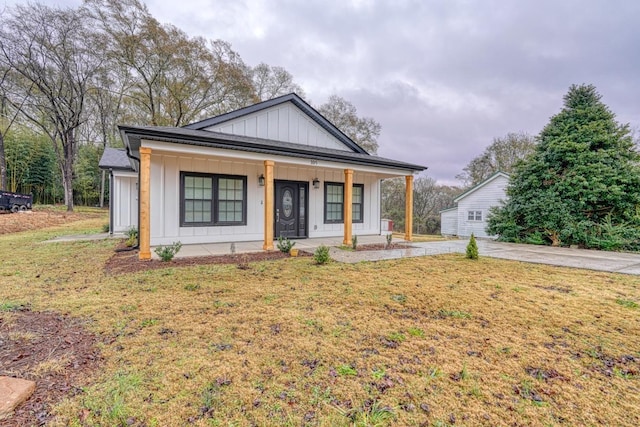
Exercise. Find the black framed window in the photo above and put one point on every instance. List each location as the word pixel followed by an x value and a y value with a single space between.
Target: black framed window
pixel 209 199
pixel 334 203
pixel 358 203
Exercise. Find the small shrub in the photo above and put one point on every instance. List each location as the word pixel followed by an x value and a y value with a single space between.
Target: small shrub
pixel 285 245
pixel 321 255
pixel 105 228
pixel 132 236
pixel 472 248
pixel 354 243
pixel 389 238
pixel 166 253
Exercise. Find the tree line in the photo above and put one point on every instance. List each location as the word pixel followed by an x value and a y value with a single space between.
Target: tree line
pixel 69 76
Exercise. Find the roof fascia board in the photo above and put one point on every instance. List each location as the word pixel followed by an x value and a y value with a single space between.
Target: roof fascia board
pixel 201 150
pixel 133 136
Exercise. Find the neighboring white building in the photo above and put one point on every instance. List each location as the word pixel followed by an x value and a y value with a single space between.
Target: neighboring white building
pixel 277 168
pixel 470 214
pixel 123 190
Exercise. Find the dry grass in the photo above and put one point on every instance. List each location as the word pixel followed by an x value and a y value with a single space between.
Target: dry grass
pixel 52 365
pixel 422 237
pixel 422 341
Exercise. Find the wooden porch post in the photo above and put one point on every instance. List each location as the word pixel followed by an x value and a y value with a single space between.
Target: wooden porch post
pixel 408 209
pixel 268 205
pixel 144 228
pixel 348 206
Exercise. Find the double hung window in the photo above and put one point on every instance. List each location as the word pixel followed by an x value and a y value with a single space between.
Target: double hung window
pixel 209 199
pixel 334 203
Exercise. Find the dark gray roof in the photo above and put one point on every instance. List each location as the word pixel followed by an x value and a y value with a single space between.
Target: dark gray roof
pixel 115 158
pixel 293 98
pixel 133 134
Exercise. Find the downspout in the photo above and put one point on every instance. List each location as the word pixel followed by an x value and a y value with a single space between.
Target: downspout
pixel 131 156
pixel 380 208
pixel 110 202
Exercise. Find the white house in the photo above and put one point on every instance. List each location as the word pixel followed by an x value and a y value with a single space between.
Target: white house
pixel 470 214
pixel 123 190
pixel 277 168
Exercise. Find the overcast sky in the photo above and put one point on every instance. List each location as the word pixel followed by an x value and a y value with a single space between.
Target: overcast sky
pixel 443 78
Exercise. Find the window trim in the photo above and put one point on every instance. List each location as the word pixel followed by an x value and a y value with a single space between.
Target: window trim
pixel 477 215
pixel 326 187
pixel 215 202
pixel 341 220
pixel 361 203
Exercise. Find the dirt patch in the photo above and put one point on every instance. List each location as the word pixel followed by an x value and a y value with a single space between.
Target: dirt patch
pixel 53 350
pixel 38 219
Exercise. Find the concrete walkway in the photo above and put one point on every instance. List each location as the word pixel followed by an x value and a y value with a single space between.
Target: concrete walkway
pixel 614 262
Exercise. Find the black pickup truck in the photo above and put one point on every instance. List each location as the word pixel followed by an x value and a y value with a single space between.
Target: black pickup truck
pixel 14 202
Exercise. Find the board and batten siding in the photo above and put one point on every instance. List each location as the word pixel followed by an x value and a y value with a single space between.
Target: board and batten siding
pixel 481 199
pixel 165 199
pixel 124 198
pixel 283 122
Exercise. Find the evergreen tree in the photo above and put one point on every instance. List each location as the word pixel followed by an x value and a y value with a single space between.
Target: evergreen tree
pixel 581 186
pixel 472 248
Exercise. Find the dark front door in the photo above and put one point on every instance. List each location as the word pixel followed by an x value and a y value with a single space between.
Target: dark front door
pixel 290 205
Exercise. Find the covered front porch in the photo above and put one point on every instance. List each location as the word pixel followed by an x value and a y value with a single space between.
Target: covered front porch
pixel 266 205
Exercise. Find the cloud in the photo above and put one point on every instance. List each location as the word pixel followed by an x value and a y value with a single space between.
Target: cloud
pixel 443 77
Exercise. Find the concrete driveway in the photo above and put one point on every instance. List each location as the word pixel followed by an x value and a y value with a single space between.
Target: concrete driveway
pixel 614 262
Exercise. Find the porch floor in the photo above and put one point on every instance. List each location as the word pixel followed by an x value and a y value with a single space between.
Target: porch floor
pixel 308 245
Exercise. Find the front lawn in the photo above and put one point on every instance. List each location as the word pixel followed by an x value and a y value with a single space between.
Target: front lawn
pixel 434 341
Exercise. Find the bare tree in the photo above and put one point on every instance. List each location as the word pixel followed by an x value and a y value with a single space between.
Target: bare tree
pixel 8 116
pixel 174 79
pixel 50 50
pixel 364 131
pixel 429 198
pixel 502 155
pixel 270 82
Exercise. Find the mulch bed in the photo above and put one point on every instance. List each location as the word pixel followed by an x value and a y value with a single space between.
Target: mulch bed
pixel 126 261
pixel 29 338
pixel 382 247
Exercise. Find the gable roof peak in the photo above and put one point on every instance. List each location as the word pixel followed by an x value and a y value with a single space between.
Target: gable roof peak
pixel 294 99
pixel 482 184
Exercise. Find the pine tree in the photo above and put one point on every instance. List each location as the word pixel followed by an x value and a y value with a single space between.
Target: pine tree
pixel 472 248
pixel 582 184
